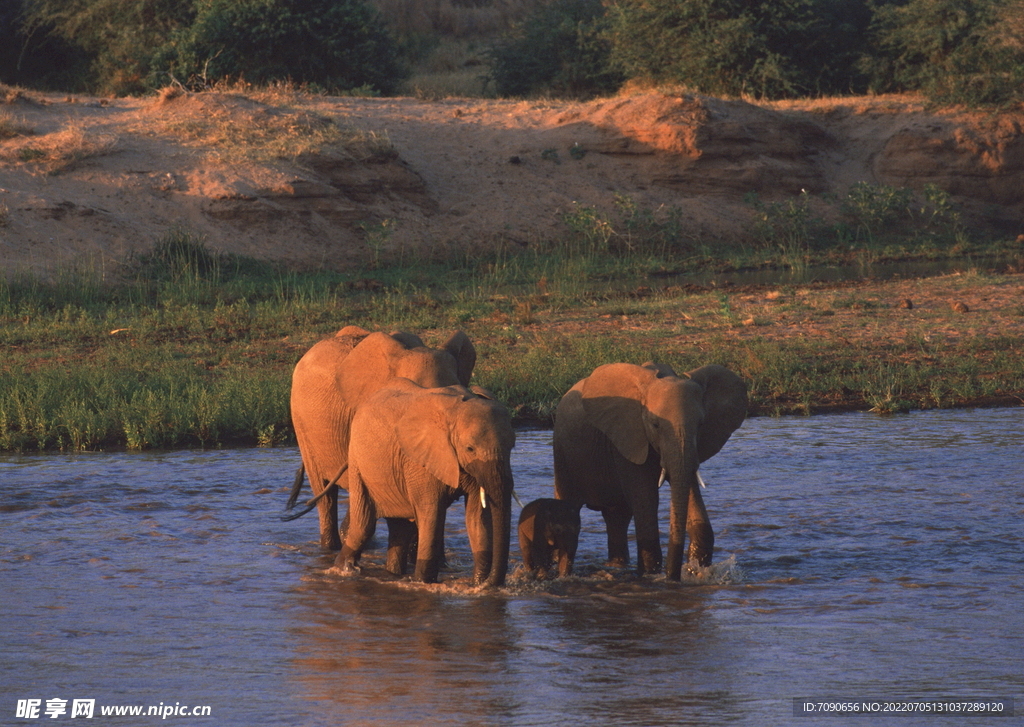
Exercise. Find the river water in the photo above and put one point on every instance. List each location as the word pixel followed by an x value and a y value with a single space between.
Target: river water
pixel 859 559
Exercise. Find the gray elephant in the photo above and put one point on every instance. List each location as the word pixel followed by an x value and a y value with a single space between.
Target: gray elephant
pixel 622 430
pixel 413 452
pixel 549 530
pixel 335 377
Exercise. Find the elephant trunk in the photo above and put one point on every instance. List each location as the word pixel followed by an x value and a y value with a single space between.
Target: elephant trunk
pixel 677 523
pixel 501 527
pixel 488 521
pixel 688 516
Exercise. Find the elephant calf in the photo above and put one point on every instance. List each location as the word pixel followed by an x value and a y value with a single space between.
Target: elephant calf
pixel 549 530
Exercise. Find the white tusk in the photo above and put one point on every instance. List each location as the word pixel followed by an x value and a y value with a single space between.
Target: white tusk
pixel 661 478
pixel 700 480
pixel 520 502
pixel 483 499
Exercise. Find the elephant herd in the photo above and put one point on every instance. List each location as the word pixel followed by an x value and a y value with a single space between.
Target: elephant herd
pixel 398 426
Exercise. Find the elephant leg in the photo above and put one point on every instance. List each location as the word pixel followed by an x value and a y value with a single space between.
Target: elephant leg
pixel 541 556
pixel 526 545
pixel 363 522
pixel 327 510
pixel 401 536
pixel 346 521
pixel 567 554
pixel 616 519
pixel 431 544
pixel 648 539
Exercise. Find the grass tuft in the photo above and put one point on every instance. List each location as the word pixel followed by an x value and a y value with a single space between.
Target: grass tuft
pixel 187 347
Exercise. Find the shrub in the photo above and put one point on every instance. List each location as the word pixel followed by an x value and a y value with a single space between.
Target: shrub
pixel 765 48
pixel 560 49
pixel 338 45
pixel 117 37
pixel 955 51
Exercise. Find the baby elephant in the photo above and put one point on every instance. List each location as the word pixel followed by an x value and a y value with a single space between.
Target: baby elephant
pixel 549 529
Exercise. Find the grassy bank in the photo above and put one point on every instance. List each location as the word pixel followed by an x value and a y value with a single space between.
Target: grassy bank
pixel 193 349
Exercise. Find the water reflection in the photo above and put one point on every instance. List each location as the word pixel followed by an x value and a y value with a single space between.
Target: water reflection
pixel 858 556
pixel 388 653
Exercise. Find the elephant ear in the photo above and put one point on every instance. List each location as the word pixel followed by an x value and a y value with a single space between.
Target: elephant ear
pixel 725 407
pixel 424 436
pixel 352 332
pixel 374 354
pixel 664 370
pixel 408 340
pixel 483 393
pixel 613 397
pixel 464 353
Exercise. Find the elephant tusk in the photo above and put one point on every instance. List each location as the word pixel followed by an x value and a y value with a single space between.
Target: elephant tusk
pixel 516 497
pixel 700 480
pixel 661 478
pixel 483 499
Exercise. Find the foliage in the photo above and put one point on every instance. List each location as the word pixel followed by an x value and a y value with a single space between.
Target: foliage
pixel 337 45
pixel 766 48
pixel 118 36
pixel 194 348
pixel 560 48
pixel 130 46
pixel 33 54
pixel 870 218
pixel 785 226
pixel 955 51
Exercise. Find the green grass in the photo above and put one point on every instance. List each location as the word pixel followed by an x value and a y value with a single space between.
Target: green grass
pixel 193 349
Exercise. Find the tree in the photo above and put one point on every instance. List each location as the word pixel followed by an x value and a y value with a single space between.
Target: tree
pixel 118 37
pixel 560 48
pixel 764 48
pixel 336 44
pixel 955 51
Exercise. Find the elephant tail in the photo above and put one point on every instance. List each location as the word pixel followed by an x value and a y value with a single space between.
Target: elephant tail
pixel 331 487
pixel 296 487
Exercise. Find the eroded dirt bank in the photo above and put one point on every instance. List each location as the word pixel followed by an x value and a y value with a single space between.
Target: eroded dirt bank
pixel 89 181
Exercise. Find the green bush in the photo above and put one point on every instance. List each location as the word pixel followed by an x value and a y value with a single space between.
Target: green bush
pixel 338 45
pixel 30 55
pixel 560 48
pixel 955 51
pixel 765 48
pixel 114 39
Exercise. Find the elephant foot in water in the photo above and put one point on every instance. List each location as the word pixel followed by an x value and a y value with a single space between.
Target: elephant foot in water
pixel 427 570
pixel 648 557
pixel 347 560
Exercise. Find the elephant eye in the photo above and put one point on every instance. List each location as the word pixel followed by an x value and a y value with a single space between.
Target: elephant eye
pixel 470 448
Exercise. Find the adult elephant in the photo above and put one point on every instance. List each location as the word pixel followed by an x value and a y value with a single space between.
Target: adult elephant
pixel 413 452
pixel 335 377
pixel 622 429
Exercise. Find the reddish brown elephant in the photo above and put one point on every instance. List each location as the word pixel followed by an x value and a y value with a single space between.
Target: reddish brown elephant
pixel 336 376
pixel 623 430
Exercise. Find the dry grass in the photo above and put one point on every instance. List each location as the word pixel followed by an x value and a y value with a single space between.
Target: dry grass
pixel 897 103
pixel 12 127
pixel 462 83
pixel 253 127
pixel 14 95
pixel 59 151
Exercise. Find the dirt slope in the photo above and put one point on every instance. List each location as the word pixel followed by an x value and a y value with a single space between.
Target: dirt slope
pixel 88 182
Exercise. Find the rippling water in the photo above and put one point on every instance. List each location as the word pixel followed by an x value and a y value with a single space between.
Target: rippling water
pixel 858 558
